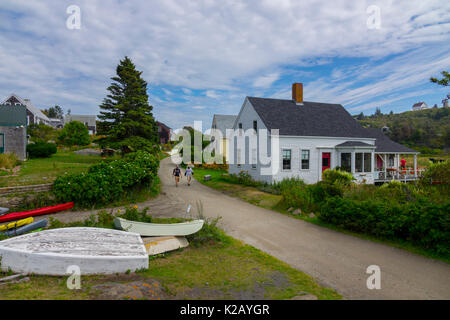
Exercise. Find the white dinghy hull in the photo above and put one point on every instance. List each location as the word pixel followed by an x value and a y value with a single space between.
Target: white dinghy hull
pixel 159 229
pixel 93 250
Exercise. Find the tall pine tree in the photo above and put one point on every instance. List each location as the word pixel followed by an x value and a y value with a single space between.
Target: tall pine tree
pixel 126 116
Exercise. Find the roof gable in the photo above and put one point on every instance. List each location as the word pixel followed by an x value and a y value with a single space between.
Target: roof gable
pixel 13 98
pixel 309 119
pixel 384 144
pixel 223 122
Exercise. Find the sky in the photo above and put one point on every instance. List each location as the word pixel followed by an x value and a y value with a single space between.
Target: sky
pixel 204 57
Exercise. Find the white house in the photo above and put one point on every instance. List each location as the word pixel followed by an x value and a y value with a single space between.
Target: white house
pixel 89 120
pixel 419 106
pixel 34 115
pixel 313 137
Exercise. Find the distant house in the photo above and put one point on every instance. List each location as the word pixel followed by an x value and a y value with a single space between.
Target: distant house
pixel 34 115
pixel 56 123
pixel 419 106
pixel 164 133
pixel 89 120
pixel 313 137
pixel 222 122
pixel 13 129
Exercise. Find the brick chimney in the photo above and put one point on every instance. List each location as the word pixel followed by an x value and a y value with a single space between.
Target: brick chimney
pixel 297 93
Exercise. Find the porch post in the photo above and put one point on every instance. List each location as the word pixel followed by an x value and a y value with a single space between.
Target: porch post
pixel 415 165
pixel 353 161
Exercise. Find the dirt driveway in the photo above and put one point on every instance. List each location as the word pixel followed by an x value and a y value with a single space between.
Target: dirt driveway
pixel 334 259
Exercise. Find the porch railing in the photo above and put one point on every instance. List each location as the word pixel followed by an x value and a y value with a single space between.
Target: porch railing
pixel 398 174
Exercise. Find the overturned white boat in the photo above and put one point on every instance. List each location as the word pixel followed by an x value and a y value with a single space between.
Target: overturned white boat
pixel 92 250
pixel 159 229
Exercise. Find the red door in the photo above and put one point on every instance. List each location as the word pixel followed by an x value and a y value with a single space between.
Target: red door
pixel 326 161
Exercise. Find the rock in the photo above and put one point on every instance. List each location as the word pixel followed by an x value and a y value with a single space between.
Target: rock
pixel 297 211
pixel 312 215
pixel 290 209
pixel 207 177
pixel 304 296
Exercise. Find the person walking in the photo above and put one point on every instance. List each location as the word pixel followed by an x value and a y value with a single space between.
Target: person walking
pixel 189 173
pixel 177 174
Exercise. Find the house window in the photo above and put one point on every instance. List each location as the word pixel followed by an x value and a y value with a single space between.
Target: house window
pixel 363 162
pixel 358 162
pixel 286 159
pixel 346 161
pixel 367 162
pixel 255 125
pixel 305 159
pixel 254 160
pixel 238 153
pixel 240 128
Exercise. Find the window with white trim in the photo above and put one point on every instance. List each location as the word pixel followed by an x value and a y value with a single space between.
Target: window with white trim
pixel 254 159
pixel 305 160
pixel 363 162
pixel 286 159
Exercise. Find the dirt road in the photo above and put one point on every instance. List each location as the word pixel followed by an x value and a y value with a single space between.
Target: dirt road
pixel 336 260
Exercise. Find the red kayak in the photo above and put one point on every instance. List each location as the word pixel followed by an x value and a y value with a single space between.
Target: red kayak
pixel 38 212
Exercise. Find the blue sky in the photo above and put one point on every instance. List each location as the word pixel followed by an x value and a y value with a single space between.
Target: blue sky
pixel 203 57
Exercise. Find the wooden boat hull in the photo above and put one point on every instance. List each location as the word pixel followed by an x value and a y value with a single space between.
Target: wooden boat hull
pixel 159 229
pixel 93 250
pixel 38 212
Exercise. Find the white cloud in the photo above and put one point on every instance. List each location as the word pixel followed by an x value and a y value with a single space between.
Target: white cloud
pixel 266 81
pixel 231 47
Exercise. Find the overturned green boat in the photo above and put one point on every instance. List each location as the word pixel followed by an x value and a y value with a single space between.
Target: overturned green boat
pixel 159 229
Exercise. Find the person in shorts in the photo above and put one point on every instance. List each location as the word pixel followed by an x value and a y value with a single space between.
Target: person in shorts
pixel 177 174
pixel 189 173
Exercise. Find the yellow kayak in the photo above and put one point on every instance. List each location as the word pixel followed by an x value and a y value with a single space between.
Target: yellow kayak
pixel 16 224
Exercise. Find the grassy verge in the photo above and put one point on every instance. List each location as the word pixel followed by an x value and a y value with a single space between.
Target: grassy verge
pixel 219 181
pixel 45 170
pixel 219 268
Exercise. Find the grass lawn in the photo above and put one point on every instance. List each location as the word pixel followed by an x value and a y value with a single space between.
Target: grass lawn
pixel 45 170
pixel 274 202
pixel 218 269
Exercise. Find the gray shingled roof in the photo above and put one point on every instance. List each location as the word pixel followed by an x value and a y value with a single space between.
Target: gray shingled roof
pixel 224 122
pixel 384 144
pixel 354 144
pixel 12 115
pixel 309 119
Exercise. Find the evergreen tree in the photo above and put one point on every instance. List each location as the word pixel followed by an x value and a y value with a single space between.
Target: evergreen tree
pixel 444 81
pixel 126 116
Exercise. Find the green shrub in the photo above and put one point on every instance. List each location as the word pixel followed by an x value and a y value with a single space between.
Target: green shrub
pixel 437 172
pixel 41 132
pixel 41 150
pixel 422 222
pixel 337 176
pixel 133 214
pixel 107 181
pixel 74 133
pixel 8 160
pixel 243 178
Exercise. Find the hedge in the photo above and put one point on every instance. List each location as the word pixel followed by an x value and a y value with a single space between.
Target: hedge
pixel 421 222
pixel 41 150
pixel 107 181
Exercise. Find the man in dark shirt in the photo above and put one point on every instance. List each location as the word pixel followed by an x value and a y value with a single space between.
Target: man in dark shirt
pixel 177 174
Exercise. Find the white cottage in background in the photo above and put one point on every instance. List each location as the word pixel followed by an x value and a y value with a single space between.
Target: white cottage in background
pixel 313 137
